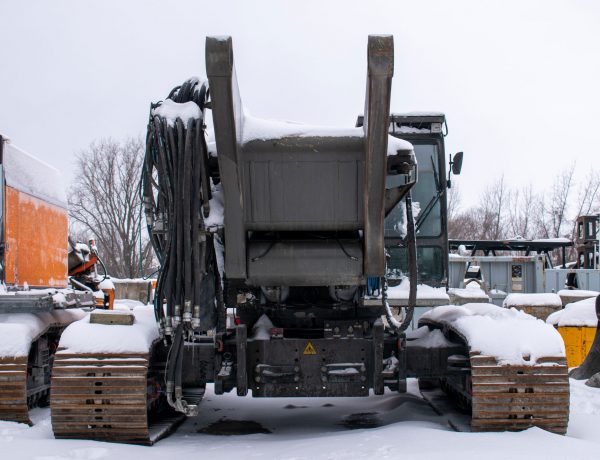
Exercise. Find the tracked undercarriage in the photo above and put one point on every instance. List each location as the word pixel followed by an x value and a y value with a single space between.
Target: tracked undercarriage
pixel 25 373
pixel 25 380
pixel 103 392
pixel 110 397
pixel 282 226
pixel 506 396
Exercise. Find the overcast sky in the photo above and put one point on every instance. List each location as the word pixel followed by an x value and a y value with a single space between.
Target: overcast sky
pixel 518 81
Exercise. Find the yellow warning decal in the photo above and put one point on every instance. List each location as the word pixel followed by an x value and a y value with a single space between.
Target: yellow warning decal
pixel 309 349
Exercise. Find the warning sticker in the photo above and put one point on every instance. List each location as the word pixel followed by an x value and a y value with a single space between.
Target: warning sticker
pixel 309 349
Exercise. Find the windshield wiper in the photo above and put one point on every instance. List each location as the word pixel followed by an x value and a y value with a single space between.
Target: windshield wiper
pixel 425 213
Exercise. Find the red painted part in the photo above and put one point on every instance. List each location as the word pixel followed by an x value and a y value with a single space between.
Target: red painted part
pixel 85 266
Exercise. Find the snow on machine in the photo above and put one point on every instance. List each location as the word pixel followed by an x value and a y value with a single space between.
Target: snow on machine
pixel 283 224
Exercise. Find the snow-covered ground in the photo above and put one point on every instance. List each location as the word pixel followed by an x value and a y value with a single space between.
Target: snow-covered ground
pixel 377 427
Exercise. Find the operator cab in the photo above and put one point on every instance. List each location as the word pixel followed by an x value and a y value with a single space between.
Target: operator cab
pixel 426 132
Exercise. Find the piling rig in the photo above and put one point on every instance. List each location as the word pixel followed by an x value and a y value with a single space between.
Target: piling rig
pixel 281 225
pixel 303 231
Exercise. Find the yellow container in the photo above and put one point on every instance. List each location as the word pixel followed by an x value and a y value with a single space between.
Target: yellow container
pixel 578 341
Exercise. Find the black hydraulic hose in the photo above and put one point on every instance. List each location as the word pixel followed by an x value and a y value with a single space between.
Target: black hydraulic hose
pixel 179 201
pixel 186 205
pixel 173 92
pixel 221 310
pixel 162 141
pixel 266 251
pixel 171 365
pixel 179 361
pixel 197 220
pixel 146 193
pixel 344 250
pixel 202 156
pixel 171 278
pixel 176 190
pixel 411 239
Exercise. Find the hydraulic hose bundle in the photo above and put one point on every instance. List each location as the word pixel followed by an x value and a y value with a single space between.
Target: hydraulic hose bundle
pixel 411 242
pixel 176 191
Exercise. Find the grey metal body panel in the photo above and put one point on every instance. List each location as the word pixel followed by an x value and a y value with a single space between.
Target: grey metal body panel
pixel 304 263
pixel 303 184
pixel 281 368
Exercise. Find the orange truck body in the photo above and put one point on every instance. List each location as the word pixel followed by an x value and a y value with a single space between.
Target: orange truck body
pixel 34 221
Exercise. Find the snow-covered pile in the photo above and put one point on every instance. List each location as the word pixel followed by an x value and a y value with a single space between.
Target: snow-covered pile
pixel 172 110
pixel 106 283
pixel 83 337
pixel 532 300
pixel 18 330
pixel 395 144
pixel 576 314
pixel 472 291
pixel 30 175
pixel 262 129
pixel 126 304
pixel 577 293
pixel 512 336
pixel 423 291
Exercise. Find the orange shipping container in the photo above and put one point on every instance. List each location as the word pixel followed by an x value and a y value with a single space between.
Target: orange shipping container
pixel 34 220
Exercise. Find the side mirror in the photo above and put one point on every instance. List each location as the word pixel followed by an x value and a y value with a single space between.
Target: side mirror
pixel 456 163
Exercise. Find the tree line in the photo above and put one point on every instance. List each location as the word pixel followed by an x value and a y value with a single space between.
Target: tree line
pixel 504 212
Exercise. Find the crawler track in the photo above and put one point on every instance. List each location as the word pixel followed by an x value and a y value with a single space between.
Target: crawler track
pixel 519 397
pixel 13 390
pixel 503 397
pixel 25 380
pixel 108 397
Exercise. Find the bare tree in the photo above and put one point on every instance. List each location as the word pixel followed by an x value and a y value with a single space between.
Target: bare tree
pixel 481 222
pixel 552 215
pixel 522 204
pixel 588 197
pixel 104 202
pixel 490 212
pixel 454 200
pixel 464 226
